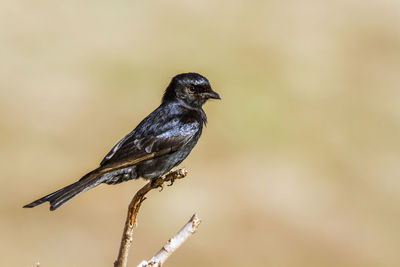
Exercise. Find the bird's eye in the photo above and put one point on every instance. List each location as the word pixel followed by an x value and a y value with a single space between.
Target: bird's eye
pixel 192 89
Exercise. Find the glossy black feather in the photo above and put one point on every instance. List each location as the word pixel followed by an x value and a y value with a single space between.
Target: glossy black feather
pixel 170 125
pixel 160 142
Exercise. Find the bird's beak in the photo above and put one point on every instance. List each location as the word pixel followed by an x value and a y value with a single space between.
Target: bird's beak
pixel 212 94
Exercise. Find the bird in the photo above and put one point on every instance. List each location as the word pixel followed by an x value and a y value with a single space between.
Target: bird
pixel 161 141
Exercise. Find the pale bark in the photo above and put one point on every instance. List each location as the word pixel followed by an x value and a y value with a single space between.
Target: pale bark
pixel 175 242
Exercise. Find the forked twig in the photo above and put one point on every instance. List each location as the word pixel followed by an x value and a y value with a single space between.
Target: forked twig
pixel 134 206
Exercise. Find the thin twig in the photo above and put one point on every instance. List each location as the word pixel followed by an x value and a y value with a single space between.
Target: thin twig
pixel 175 242
pixel 134 206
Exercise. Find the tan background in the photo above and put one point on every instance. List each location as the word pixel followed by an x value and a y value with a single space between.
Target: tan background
pixel 299 165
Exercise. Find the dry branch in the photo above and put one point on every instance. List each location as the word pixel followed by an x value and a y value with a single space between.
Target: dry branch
pixel 175 242
pixel 134 206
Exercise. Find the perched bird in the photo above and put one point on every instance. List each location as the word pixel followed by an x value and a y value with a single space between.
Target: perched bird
pixel 160 142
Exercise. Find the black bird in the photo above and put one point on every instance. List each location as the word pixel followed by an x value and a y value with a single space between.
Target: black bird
pixel 160 142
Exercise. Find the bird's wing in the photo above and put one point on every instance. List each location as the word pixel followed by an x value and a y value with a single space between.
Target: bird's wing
pixel 133 149
pixel 154 124
pixel 116 147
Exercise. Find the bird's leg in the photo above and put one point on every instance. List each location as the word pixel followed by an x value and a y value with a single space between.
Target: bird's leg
pixel 173 175
pixel 169 176
pixel 171 181
pixel 157 183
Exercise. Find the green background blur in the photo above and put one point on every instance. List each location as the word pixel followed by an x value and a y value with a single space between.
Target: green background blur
pixel 298 166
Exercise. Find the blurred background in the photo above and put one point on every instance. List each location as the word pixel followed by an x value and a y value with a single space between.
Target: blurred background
pixel 298 165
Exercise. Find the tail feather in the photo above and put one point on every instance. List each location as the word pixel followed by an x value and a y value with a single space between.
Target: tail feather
pixel 62 195
pixel 79 187
pixel 51 197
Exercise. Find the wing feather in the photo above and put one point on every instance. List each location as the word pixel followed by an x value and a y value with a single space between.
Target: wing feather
pixel 135 148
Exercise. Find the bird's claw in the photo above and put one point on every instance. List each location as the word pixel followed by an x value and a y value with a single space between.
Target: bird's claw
pixel 171 182
pixel 155 184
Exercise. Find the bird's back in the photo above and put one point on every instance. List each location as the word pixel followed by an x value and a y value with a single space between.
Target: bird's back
pixel 171 128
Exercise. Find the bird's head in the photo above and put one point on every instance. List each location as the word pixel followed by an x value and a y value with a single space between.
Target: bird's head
pixel 191 88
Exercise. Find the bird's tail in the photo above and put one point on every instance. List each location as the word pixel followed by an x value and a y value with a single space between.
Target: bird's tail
pixel 61 196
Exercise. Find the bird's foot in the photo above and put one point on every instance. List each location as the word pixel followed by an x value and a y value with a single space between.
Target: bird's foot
pixel 157 183
pixel 169 177
pixel 174 175
pixel 171 182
